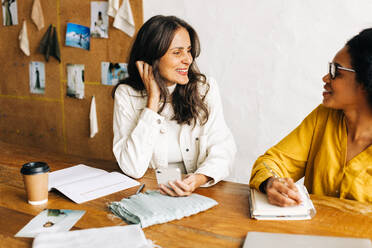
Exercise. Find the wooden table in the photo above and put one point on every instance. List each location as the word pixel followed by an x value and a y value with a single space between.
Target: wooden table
pixel 222 226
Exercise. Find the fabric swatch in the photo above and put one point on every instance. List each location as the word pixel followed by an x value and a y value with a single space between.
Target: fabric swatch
pixel 49 45
pixel 152 208
pixel 124 19
pixel 23 39
pixel 113 7
pixel 37 14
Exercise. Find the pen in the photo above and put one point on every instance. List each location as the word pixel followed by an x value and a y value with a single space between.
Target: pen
pixel 140 189
pixel 274 174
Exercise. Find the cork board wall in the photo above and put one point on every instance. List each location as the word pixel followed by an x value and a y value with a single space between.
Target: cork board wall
pixel 54 121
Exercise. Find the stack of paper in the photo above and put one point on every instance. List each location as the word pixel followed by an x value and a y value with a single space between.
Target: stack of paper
pixel 261 209
pixel 152 208
pixel 130 236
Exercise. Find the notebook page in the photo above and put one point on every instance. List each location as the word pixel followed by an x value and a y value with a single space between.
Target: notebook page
pixel 72 174
pixel 95 187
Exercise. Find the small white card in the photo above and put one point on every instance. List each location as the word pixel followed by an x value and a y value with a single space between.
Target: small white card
pixel 50 220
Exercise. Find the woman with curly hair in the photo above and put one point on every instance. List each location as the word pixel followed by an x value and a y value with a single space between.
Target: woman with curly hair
pixel 332 147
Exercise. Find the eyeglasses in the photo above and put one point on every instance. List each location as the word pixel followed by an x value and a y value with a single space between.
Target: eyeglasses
pixel 333 67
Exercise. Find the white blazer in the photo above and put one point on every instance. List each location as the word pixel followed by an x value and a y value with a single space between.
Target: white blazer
pixel 140 137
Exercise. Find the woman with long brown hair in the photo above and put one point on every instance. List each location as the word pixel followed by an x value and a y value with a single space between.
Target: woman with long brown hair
pixel 168 114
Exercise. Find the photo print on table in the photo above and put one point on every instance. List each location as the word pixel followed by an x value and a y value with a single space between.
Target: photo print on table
pixel 98 20
pixel 37 77
pixel 10 16
pixel 75 81
pixel 50 220
pixel 113 73
pixel 77 36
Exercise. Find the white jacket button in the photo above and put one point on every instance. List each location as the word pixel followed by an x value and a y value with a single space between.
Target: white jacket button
pixel 159 121
pixel 187 149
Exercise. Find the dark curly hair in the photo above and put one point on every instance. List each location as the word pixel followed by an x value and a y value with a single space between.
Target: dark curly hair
pixel 151 43
pixel 360 51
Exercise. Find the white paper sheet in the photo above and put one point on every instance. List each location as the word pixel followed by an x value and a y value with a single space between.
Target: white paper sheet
pixel 82 183
pixel 95 187
pixel 93 118
pixel 130 236
pixel 73 174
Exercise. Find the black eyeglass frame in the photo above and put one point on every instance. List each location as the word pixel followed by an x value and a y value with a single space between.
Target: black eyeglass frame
pixel 333 67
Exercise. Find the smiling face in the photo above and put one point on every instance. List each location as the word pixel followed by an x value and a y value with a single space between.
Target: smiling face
pixel 344 91
pixel 174 65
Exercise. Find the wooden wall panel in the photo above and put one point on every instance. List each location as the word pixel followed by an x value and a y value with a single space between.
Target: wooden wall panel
pixel 24 122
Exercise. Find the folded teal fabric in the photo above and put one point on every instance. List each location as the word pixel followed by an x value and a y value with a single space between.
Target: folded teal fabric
pixel 152 208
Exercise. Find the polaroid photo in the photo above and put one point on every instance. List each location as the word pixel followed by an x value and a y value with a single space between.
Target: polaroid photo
pixel 75 81
pixel 37 77
pixel 99 20
pixel 50 220
pixel 77 36
pixel 113 73
pixel 10 16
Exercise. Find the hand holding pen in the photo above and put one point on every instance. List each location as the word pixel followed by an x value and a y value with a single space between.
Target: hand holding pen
pixel 281 191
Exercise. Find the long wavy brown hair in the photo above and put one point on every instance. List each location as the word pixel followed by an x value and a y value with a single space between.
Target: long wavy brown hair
pixel 152 42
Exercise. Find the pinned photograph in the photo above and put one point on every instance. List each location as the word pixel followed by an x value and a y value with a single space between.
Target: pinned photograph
pixel 37 77
pixel 10 16
pixel 77 36
pixel 99 20
pixel 75 81
pixel 51 220
pixel 113 73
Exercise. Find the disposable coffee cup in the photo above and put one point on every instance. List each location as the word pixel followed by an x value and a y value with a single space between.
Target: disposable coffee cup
pixel 35 177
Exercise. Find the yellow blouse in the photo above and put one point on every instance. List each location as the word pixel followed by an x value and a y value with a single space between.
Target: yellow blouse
pixel 316 149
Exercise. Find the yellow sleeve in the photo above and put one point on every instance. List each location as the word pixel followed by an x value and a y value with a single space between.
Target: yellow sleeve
pixel 288 158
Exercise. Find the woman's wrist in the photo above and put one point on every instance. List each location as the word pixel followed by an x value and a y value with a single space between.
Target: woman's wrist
pixel 153 104
pixel 263 185
pixel 201 179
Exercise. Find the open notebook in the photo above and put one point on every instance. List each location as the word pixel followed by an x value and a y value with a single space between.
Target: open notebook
pixel 83 183
pixel 280 240
pixel 261 209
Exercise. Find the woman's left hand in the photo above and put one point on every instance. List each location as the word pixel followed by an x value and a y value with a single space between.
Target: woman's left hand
pixel 184 187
